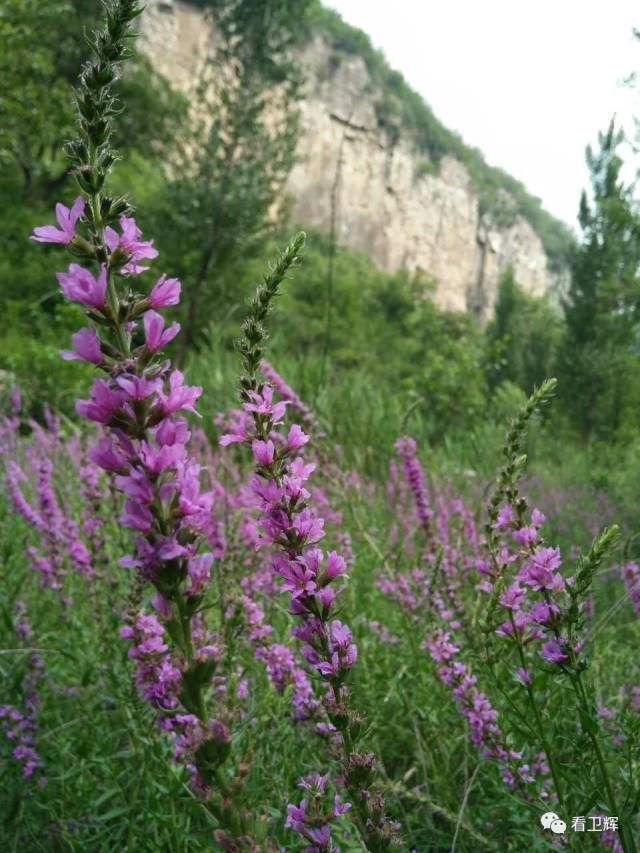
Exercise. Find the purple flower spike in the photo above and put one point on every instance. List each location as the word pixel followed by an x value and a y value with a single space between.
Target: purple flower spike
pixel 408 451
pixel 143 447
pixel 289 520
pixel 631 575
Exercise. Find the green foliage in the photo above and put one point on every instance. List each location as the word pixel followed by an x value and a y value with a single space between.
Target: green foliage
pixel 385 327
pixel 218 203
pixel 600 360
pixel 35 100
pixel 522 338
pixel 146 93
pixel 373 355
pixel 30 354
pixel 42 47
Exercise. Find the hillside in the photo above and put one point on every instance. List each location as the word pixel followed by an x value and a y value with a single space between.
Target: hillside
pixel 375 160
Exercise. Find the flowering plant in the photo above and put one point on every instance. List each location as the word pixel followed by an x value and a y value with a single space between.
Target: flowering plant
pixel 140 403
pixel 291 527
pixel 522 626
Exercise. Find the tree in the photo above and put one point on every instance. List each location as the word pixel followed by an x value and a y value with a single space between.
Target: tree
pixel 599 361
pixel 224 186
pixel 41 50
pixel 35 100
pixel 522 338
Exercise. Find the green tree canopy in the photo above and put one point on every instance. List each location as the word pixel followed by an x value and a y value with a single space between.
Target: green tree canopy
pixel 522 338
pixel 599 360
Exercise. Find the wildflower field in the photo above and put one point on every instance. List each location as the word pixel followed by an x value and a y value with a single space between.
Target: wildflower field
pixel 237 619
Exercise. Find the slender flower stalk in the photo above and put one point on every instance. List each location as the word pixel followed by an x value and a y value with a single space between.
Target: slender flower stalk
pixel 536 612
pixel 61 544
pixel 408 451
pixel 543 606
pixel 140 403
pixel 631 575
pixel 486 734
pixel 290 526
pixel 20 724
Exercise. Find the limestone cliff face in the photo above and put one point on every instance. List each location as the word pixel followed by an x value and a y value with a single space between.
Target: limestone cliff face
pixel 379 193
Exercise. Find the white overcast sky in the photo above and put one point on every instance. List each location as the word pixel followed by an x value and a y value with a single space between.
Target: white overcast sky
pixel 529 83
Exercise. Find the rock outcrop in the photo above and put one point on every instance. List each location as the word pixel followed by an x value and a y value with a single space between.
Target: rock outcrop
pixel 382 194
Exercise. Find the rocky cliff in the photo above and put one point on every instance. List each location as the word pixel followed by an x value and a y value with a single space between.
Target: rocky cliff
pixel 381 193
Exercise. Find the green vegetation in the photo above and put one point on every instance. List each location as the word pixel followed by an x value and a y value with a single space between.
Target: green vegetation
pixel 522 338
pixel 600 358
pixel 217 203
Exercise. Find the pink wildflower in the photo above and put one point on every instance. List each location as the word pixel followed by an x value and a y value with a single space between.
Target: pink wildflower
pixel 79 285
pixel 155 334
pixel 131 245
pixel 86 347
pixel 67 220
pixel 165 292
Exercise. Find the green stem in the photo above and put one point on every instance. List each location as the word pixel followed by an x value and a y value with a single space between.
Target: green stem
pixel 189 653
pixel 536 714
pixel 371 840
pixel 185 624
pixel 576 682
pixel 626 837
